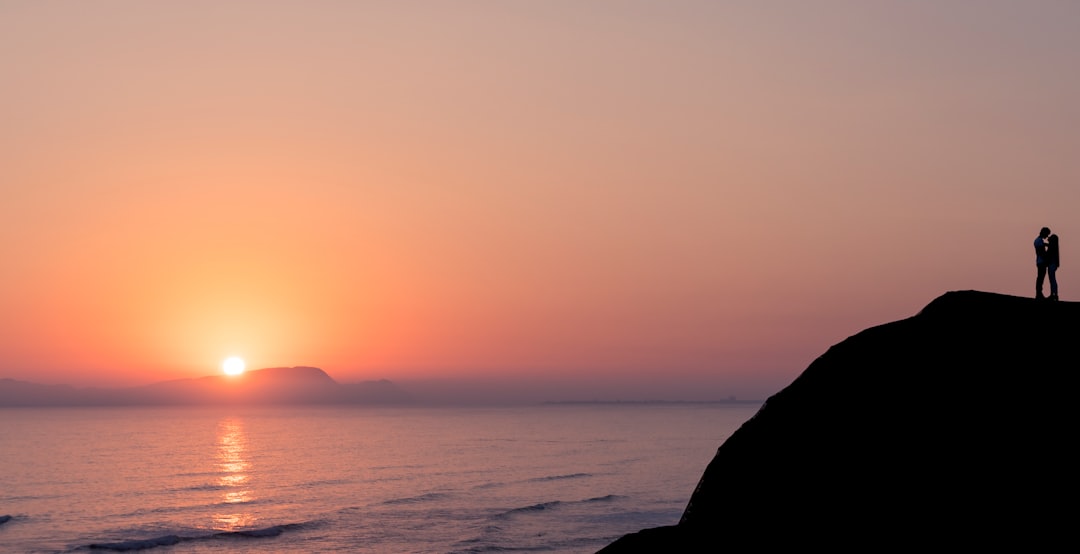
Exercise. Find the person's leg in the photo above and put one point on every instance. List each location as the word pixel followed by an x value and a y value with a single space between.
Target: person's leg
pixel 1052 273
pixel 1039 281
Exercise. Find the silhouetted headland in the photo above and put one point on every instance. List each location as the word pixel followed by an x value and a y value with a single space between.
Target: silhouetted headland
pixel 952 428
pixel 279 385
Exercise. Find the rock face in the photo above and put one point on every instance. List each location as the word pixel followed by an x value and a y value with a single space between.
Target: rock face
pixel 952 428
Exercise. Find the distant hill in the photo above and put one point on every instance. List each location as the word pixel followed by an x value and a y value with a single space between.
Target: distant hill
pixel 949 430
pixel 278 385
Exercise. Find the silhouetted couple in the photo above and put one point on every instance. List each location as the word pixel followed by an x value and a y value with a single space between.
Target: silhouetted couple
pixel 1047 260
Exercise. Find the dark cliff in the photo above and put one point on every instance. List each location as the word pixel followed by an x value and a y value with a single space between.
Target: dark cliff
pixel 952 428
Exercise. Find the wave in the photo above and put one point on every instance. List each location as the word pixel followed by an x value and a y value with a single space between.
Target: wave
pixel 544 479
pixel 272 531
pixel 571 544
pixel 607 498
pixel 396 467
pixel 496 548
pixel 554 504
pixel 209 487
pixel 170 540
pixel 125 546
pixel 5 519
pixel 198 474
pixel 421 498
pixel 559 477
pixel 528 509
pixel 324 482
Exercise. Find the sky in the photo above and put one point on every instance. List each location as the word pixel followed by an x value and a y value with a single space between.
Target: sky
pixel 603 199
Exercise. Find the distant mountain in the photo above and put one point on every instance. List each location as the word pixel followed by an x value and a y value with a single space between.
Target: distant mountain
pixel 278 385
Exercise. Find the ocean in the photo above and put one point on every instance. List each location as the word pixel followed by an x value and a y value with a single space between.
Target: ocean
pixel 540 478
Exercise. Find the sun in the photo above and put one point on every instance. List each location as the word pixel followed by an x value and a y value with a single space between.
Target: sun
pixel 233 365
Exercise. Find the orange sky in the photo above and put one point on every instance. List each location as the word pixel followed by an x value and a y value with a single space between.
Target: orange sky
pixel 622 192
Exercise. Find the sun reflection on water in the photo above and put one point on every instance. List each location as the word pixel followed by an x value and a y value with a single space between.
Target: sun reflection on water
pixel 234 475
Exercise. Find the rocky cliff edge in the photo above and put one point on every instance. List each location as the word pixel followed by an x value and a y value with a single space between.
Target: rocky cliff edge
pixel 952 428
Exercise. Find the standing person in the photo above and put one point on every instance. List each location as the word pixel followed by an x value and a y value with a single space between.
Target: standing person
pixel 1053 261
pixel 1040 260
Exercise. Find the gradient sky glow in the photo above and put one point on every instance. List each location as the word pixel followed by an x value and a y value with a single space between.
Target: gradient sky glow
pixel 608 193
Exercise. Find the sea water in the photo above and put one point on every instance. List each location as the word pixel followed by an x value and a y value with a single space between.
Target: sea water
pixel 541 478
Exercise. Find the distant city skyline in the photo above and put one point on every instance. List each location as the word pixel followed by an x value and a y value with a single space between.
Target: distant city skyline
pixel 617 196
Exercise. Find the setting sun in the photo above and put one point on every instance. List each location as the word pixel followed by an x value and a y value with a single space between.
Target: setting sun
pixel 233 365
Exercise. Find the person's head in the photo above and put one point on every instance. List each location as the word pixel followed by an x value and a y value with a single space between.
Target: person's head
pixel 1045 232
pixel 1053 240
